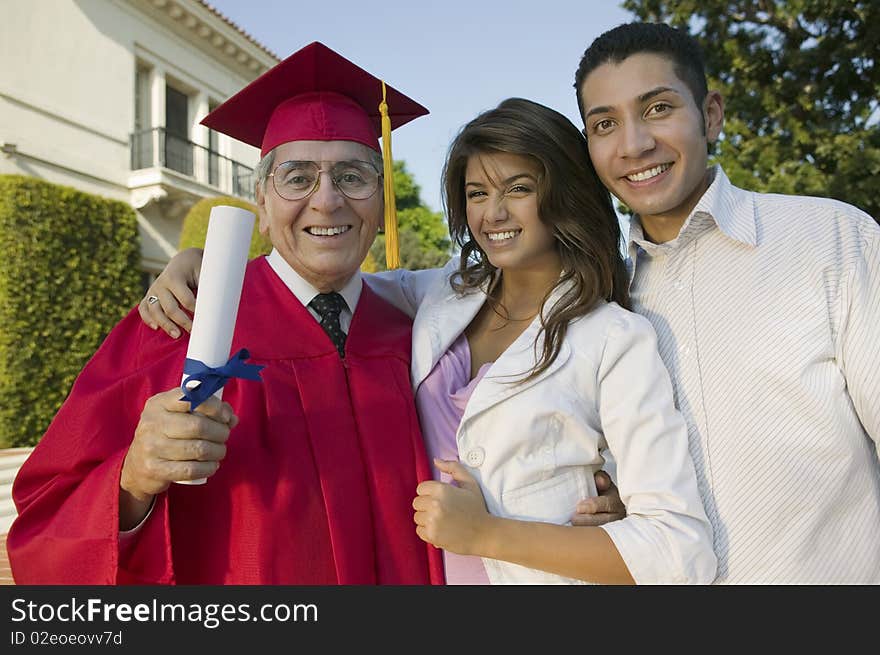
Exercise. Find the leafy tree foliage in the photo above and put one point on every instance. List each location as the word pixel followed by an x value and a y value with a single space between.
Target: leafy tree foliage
pixel 423 235
pixel 801 81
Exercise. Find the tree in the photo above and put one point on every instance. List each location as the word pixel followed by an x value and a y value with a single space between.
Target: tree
pixel 422 233
pixel 801 81
pixel 195 225
pixel 68 273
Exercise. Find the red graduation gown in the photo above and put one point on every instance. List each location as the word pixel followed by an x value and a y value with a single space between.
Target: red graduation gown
pixel 316 486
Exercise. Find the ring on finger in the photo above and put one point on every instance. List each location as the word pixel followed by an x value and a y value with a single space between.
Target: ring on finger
pixel 152 300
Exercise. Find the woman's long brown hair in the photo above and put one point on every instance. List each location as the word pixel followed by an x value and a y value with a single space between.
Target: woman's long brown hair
pixel 571 200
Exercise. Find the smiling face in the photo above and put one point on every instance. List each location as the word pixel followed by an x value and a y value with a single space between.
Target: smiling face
pixel 326 236
pixel 648 138
pixel 501 192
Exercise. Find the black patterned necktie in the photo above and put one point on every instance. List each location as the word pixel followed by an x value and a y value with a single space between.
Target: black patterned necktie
pixel 329 306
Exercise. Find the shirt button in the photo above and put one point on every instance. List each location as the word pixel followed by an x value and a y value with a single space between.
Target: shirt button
pixel 678 285
pixel 685 350
pixel 475 457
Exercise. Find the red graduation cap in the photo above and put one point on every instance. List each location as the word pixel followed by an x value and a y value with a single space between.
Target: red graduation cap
pixel 317 94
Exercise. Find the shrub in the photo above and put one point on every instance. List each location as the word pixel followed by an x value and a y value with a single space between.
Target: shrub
pixel 195 225
pixel 69 271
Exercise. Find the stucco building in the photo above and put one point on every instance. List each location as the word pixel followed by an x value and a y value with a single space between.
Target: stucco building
pixel 106 96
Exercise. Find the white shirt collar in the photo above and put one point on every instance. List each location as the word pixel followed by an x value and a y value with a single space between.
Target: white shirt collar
pixel 305 292
pixel 731 209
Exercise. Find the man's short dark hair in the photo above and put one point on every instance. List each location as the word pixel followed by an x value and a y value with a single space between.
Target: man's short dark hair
pixel 629 39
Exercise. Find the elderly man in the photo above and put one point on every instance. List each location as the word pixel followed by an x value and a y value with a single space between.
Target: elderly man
pixel 309 483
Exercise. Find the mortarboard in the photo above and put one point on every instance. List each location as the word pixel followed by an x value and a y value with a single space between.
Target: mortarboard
pixel 317 94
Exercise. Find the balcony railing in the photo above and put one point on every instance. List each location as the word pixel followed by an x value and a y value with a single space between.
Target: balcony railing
pixel 157 148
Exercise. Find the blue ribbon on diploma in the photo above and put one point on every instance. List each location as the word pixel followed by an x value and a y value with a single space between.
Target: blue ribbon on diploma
pixel 212 379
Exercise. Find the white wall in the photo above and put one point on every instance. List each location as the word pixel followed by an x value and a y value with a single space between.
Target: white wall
pixel 64 95
pixel 67 76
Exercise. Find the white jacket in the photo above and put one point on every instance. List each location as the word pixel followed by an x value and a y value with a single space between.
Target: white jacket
pixel 534 447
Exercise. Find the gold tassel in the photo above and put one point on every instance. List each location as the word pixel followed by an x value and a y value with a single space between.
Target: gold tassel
pixel 392 252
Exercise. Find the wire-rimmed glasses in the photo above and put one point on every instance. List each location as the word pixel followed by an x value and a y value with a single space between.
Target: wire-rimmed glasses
pixel 355 179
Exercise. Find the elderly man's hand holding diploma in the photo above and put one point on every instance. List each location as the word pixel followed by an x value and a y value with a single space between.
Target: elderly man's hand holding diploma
pixel 171 444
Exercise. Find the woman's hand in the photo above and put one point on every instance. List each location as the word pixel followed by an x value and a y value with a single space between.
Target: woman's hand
pixel 172 292
pixel 452 517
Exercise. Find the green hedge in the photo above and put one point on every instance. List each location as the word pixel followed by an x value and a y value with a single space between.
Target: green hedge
pixel 195 225
pixel 69 270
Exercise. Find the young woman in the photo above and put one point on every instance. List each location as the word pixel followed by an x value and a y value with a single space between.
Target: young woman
pixel 529 372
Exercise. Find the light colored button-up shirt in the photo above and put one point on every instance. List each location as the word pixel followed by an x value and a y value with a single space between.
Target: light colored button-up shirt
pixel 767 312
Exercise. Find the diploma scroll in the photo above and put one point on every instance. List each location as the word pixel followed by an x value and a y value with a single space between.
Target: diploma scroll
pixel 222 274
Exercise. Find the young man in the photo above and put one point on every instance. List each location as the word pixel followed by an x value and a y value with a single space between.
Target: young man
pixel 315 484
pixel 767 311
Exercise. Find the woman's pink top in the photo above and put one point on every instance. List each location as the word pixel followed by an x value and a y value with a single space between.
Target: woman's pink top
pixel 441 400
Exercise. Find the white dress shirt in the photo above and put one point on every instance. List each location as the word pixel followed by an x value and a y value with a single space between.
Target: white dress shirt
pixel 767 313
pixel 305 292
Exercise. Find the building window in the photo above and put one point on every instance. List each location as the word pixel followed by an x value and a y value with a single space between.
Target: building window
pixel 142 99
pixel 178 148
pixel 142 144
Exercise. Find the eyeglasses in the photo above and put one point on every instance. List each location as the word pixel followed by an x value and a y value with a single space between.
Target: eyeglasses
pixel 295 180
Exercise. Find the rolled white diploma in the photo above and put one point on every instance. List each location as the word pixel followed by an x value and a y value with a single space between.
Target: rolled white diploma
pixel 222 274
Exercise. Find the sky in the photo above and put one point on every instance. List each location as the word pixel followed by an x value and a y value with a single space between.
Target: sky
pixel 455 57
